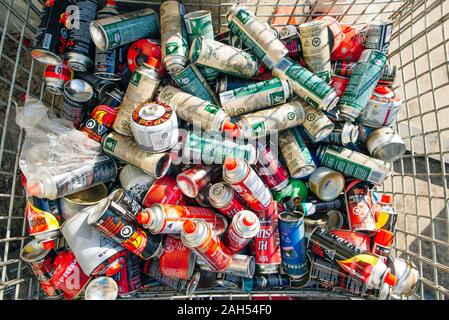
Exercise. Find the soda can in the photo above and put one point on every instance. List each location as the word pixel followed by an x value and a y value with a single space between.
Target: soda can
pixel 77 94
pixel 192 180
pixel 115 31
pixel 101 288
pixel 310 208
pixel 361 240
pixel 339 83
pixel 174 40
pixel 106 62
pixel 382 243
pixel 267 242
pixel 197 235
pixel 169 218
pixel 100 87
pixel 223 198
pixel 42 225
pixel 343 135
pixel 141 89
pixel 270 169
pixel 80 48
pixel 317 125
pixel 326 183
pixel 359 206
pixel 378 34
pixel 109 218
pixel 315 48
pixel 266 282
pixel 207 52
pixel 382 109
pixel 345 68
pixel 192 109
pixel 73 203
pixel 68 276
pixel 361 84
pixel 274 119
pixel 293 244
pixel 245 181
pixel 177 261
pixel 296 154
pixel 354 164
pixel 123 199
pixel 164 191
pixel 293 45
pixel 124 148
pixel 56 76
pixel 385 144
pixel 306 85
pixel 152 269
pixel 52 183
pixel 256 35
pixel 244 227
pixel 255 97
pixel 135 182
pixel 41 261
pixel 51 36
pixel 128 278
pixel 192 81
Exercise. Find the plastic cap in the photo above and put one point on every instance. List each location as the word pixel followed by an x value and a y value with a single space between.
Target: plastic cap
pixel 48 244
pixel 230 163
pixel 231 129
pixel 143 217
pixel 152 63
pixel 248 220
pixel 189 226
pixel 382 90
pixel 391 279
pixel 113 268
pixel 112 2
pixel 384 237
pixel 386 198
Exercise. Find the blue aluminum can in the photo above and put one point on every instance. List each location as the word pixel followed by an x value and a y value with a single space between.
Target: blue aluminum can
pixel 293 244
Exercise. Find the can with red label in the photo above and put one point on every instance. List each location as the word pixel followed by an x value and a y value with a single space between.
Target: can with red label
pixel 164 191
pixel 128 278
pixel 145 51
pixel 359 206
pixel 192 180
pixel 68 276
pixel 361 240
pixel 177 261
pixel 382 108
pixel 41 263
pixel 382 244
pixel 55 76
pixel 270 169
pixel 244 227
pixel 223 198
pixel 42 225
pixel 293 45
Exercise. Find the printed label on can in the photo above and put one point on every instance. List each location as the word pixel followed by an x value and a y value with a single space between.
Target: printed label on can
pixel 267 242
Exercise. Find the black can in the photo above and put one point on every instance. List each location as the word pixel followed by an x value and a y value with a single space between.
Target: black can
pixel 77 94
pixel 80 47
pixel 51 36
pixel 100 86
pixel 123 199
pixel 271 281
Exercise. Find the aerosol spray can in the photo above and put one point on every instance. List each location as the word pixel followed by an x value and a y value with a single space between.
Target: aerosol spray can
pixel 129 277
pixel 164 191
pixel 100 87
pixel 317 125
pixel 244 227
pixel 270 169
pixel 382 244
pixel 123 199
pixel 359 206
pixel 56 76
pixel 343 135
pixel 378 34
pixel 77 94
pixel 192 180
pixel 223 198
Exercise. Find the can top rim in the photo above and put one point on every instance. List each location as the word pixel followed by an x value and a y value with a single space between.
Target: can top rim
pixel 35 247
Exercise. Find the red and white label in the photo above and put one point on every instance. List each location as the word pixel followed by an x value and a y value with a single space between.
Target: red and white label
pixel 234 241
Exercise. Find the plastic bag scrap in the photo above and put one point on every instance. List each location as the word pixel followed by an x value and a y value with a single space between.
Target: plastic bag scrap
pixel 50 142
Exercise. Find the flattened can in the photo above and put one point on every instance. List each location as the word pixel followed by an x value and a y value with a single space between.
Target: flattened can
pixel 317 125
pixel 361 84
pixel 174 42
pixel 51 37
pixel 141 88
pixel 343 135
pixel 359 206
pixel 201 113
pixel 296 154
pixel 326 183
pixel 56 76
pixel 192 81
pixel 385 144
pixel 224 58
pixel 77 94
pixel 256 96
pixel 382 109
pixel 378 34
pixel 306 85
pixel 124 148
pixel 255 35
pixel 315 48
pixel 113 32
pixel 354 164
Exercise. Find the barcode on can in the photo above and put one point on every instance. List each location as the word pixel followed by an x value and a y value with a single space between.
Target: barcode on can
pixel 47 40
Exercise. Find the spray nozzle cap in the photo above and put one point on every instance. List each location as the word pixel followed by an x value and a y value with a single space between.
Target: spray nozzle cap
pixel 391 279
pixel 248 220
pixel 189 226
pixel 143 217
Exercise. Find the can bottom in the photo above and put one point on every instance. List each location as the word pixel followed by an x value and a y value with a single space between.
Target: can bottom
pixel 107 76
pixel 267 268
pixel 46 57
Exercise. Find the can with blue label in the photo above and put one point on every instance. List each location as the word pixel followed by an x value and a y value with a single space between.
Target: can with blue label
pixel 293 244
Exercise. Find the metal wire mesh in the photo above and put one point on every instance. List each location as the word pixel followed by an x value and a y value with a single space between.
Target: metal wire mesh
pixel 419 181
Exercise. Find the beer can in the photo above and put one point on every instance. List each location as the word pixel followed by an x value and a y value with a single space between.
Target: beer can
pixel 343 135
pixel 174 40
pixel 255 97
pixel 128 278
pixel 223 198
pixel 192 81
pixel 192 180
pixel 274 119
pixel 124 148
pixel 73 203
pixel 113 32
pixel 51 36
pixel 105 217
pixel 326 183
pixel 306 85
pixel 101 288
pixel 154 127
pixel 224 58
pixel 266 282
pixel 100 87
pixel 359 206
pixel 378 34
pixel 135 182
pixel 361 84
pixel 270 169
pixel 123 199
pixel 296 154
pixel 255 35
pixel 141 89
pixel 293 244
pixel 41 261
pixel 315 48
pixel 193 109
pixel 56 76
pixel 382 109
pixel 354 164
pixel 80 48
pixel 77 94
pixel 177 261
pixel 164 191
pixel 385 144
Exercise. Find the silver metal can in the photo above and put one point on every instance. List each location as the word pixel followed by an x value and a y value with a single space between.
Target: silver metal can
pixel 385 144
pixel 77 94
pixel 245 226
pixel 317 125
pixel 378 34
pixel 326 183
pixel 382 109
pixel 135 181
pixel 73 203
pixel 343 135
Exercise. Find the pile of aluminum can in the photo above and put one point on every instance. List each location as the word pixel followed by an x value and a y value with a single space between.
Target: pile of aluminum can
pixel 246 160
